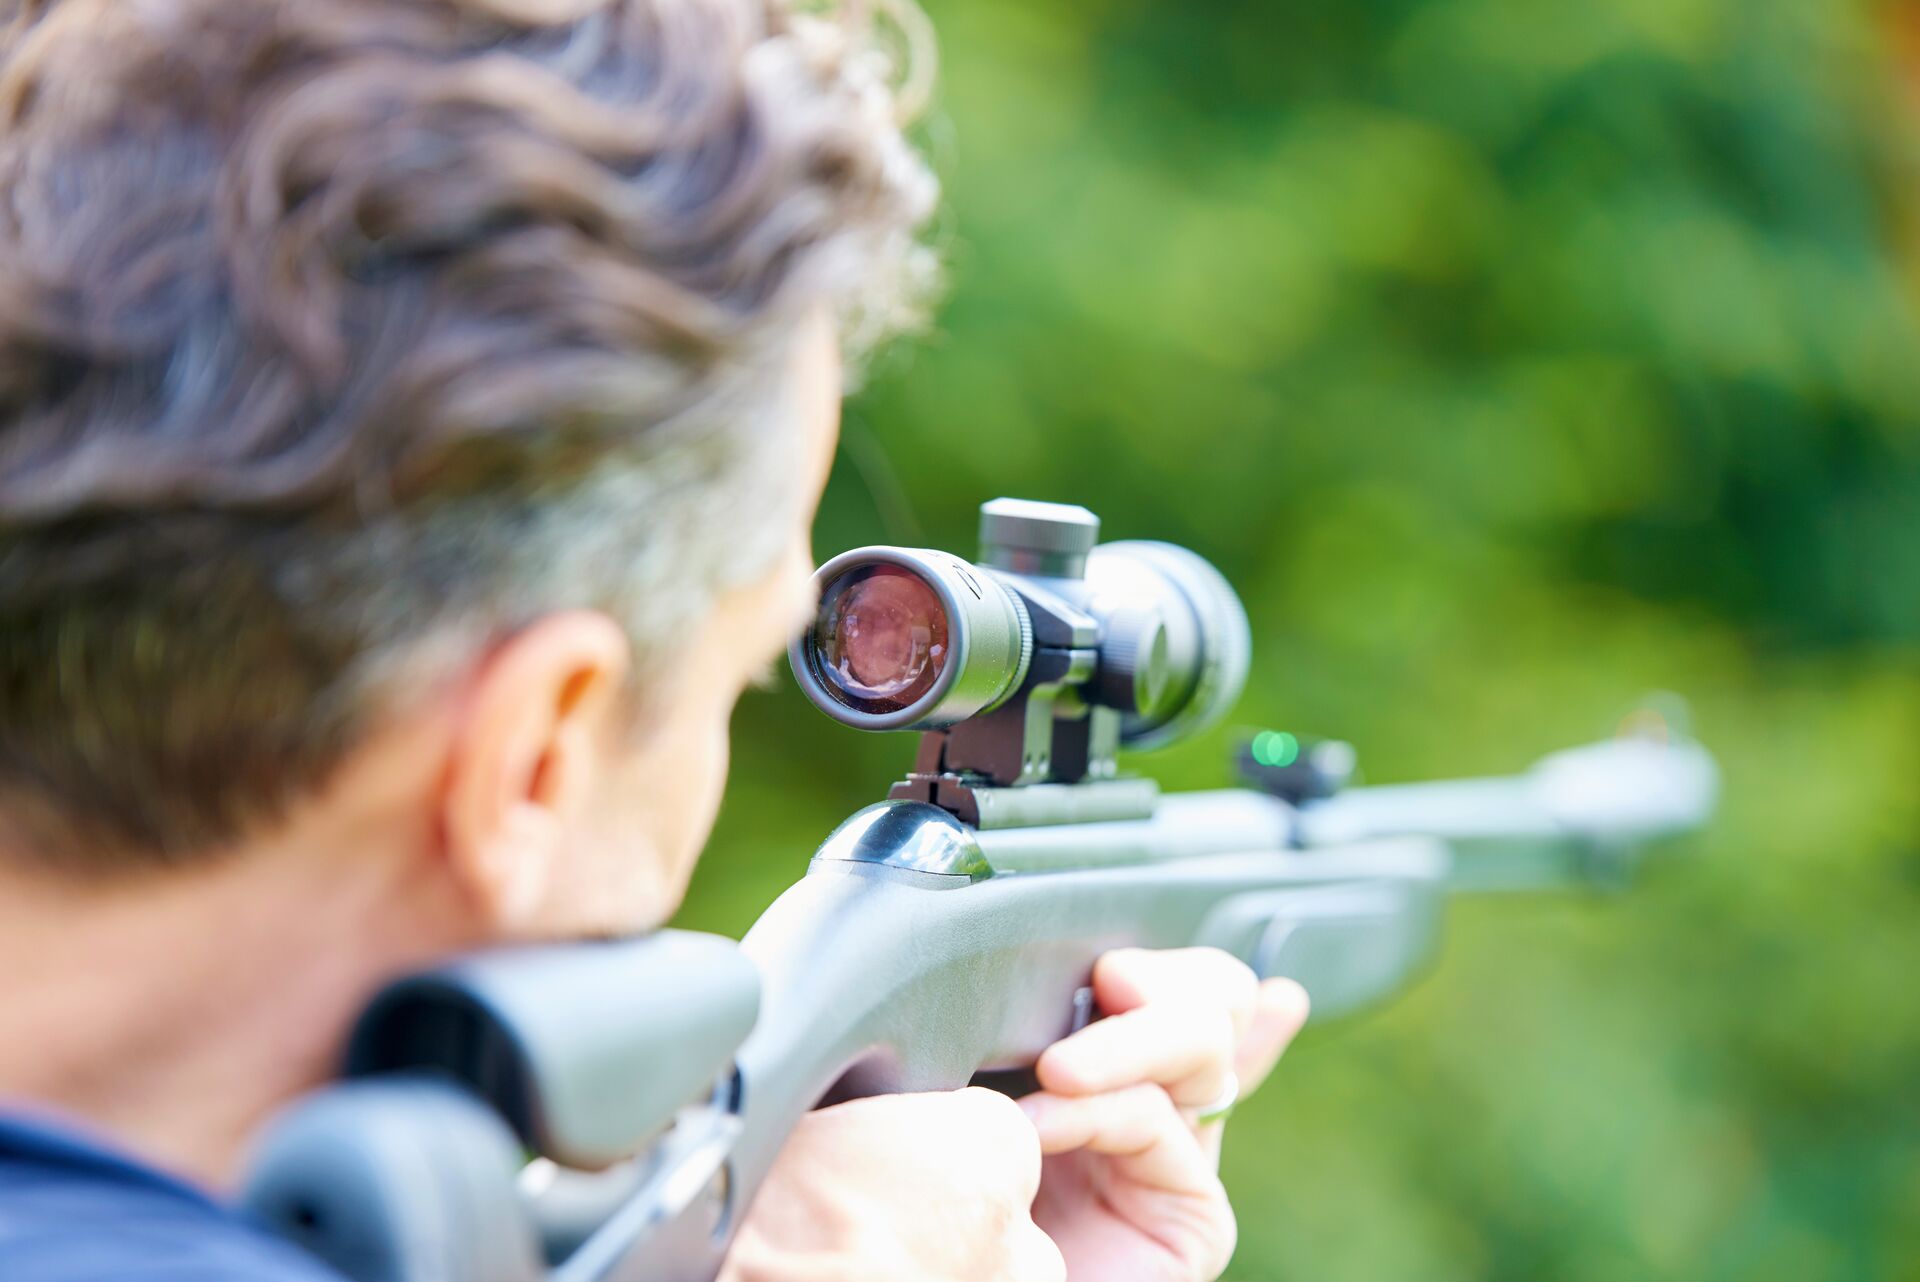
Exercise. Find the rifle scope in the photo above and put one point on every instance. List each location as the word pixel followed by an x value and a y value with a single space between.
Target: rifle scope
pixel 1145 640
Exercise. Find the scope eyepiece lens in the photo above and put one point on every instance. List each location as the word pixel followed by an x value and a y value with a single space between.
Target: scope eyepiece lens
pixel 880 640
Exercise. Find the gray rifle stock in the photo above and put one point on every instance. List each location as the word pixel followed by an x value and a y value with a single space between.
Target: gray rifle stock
pixel 917 952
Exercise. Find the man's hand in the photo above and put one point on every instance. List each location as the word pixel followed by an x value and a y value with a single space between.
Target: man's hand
pixel 1130 1187
pixel 941 1187
pixel 901 1188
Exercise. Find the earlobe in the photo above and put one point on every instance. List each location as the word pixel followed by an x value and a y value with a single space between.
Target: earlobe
pixel 523 760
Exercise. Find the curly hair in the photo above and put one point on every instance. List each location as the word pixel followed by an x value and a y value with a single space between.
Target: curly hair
pixel 335 333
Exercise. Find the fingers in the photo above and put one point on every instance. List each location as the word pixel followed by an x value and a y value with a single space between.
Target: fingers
pixel 997 1125
pixel 1187 1049
pixel 989 1136
pixel 1138 1127
pixel 1279 1012
pixel 1128 978
pixel 975 1127
pixel 1181 1027
pixel 1176 1019
pixel 935 1187
pixel 1032 1256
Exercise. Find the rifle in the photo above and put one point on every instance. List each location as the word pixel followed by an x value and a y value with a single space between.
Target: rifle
pixel 605 1111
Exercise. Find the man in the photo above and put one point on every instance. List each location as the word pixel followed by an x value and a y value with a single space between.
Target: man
pixel 411 416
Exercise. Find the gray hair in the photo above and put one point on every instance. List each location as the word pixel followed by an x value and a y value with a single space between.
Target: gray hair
pixel 338 333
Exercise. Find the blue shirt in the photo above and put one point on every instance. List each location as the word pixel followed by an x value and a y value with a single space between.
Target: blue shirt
pixel 73 1210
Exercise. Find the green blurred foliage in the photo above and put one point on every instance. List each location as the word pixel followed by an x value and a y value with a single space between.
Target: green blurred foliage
pixel 1514 359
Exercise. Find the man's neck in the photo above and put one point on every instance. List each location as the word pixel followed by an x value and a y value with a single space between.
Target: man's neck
pixel 177 1011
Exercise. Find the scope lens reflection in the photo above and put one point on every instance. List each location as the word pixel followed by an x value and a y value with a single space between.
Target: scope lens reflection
pixel 880 640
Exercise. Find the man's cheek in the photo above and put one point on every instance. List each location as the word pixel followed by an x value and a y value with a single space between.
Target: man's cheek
pixel 706 792
pixel 683 797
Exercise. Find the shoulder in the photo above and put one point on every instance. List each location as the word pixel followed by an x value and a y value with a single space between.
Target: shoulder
pixel 71 1213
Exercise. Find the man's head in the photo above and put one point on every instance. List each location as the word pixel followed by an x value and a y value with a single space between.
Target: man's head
pixel 411 411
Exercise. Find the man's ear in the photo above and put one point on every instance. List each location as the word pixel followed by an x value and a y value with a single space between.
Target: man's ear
pixel 522 767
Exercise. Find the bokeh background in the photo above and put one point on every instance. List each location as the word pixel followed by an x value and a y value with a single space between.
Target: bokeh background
pixel 1514 359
